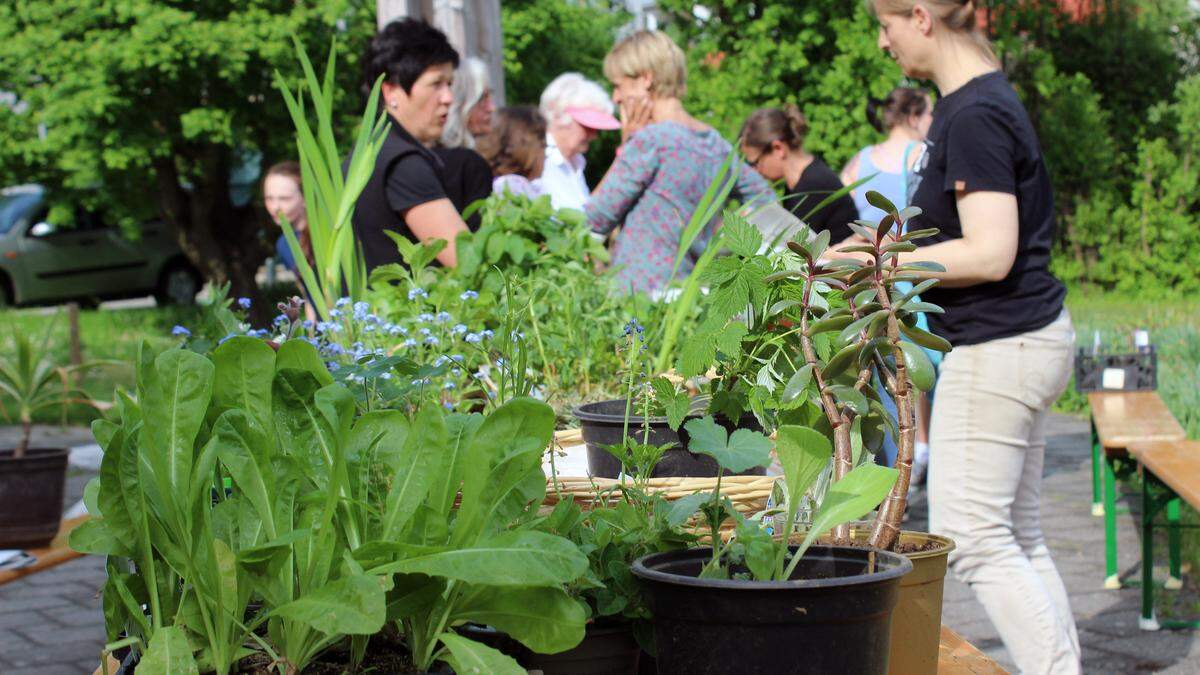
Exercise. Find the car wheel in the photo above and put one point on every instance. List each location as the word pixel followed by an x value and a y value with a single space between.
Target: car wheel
pixel 178 285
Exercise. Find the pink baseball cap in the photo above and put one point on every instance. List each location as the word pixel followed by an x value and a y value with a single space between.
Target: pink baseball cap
pixel 594 119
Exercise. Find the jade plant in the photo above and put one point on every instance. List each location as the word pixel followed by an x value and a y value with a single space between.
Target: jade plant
pixel 797 338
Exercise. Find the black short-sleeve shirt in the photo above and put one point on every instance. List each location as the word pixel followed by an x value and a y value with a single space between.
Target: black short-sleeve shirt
pixel 982 140
pixel 816 183
pixel 468 179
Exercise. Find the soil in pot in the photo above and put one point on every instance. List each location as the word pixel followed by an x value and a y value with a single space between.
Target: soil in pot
pixel 606 649
pixel 31 496
pixel 603 423
pixel 832 617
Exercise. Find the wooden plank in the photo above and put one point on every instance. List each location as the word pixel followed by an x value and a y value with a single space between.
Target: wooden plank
pixel 956 656
pixel 1176 463
pixel 1127 417
pixel 57 553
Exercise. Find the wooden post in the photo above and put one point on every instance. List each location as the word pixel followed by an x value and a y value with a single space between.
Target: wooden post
pixel 73 324
pixel 472 26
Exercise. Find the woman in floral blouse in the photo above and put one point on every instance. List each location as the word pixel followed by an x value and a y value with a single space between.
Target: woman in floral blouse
pixel 665 164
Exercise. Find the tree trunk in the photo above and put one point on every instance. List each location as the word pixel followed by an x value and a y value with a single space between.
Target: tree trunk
pixel 223 242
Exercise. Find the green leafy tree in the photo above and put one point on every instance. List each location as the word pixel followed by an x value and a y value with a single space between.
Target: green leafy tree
pixel 820 55
pixel 149 107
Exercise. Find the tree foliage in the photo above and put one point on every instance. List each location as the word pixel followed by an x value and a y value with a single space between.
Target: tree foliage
pixel 149 107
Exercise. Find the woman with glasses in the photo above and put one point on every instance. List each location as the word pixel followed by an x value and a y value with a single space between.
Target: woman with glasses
pixel 773 143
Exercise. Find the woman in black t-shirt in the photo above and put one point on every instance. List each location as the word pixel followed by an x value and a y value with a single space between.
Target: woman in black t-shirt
pixel 983 183
pixel 773 143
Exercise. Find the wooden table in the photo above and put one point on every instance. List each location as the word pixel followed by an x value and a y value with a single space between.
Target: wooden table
pixel 57 553
pixel 1119 419
pixel 956 656
pixel 1170 475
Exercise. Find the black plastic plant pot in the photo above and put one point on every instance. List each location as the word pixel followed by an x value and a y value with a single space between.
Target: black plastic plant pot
pixel 31 496
pixel 603 424
pixel 607 649
pixel 834 615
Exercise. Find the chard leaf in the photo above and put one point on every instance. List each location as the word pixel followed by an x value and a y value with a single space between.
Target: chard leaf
pixel 546 620
pixel 298 354
pixel 351 605
pixel 468 657
pixel 168 653
pixel 516 558
pixel 851 498
pixel 803 454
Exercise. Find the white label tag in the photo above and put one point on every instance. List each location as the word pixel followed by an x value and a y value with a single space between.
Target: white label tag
pixel 1114 378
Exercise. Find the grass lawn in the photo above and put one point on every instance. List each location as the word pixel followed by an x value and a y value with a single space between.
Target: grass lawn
pixel 105 335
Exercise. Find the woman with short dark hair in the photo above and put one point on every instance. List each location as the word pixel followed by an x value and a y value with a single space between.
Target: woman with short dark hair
pixel 407 193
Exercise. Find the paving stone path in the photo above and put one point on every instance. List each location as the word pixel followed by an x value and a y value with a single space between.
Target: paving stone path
pixel 51 624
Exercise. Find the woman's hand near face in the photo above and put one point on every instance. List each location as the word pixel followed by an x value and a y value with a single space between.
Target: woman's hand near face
pixel 636 113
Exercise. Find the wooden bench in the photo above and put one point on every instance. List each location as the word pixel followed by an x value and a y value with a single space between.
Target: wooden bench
pixel 57 553
pixel 1170 474
pixel 1120 419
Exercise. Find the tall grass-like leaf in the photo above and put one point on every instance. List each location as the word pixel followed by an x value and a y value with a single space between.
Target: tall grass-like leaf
pixel 168 654
pixel 353 605
pixel 412 478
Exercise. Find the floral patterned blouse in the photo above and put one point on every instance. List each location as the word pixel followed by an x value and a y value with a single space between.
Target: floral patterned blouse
pixel 653 187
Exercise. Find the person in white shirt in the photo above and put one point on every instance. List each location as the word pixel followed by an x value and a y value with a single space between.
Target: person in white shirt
pixel 576 109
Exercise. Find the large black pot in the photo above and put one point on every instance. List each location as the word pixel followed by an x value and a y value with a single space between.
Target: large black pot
pixel 832 617
pixel 603 424
pixel 606 649
pixel 31 496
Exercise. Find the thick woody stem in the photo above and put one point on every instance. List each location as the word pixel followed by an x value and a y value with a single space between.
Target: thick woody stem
pixel 886 530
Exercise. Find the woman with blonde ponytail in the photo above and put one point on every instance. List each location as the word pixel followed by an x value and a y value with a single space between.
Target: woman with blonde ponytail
pixel 773 143
pixel 981 180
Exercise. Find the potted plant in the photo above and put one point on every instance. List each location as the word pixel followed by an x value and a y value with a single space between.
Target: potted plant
pixel 32 479
pixel 816 331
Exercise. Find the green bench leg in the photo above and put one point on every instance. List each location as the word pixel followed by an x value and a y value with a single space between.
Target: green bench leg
pixel 1097 477
pixel 1174 576
pixel 1147 620
pixel 1111 578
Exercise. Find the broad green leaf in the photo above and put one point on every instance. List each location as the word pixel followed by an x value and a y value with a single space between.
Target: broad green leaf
pixel 168 654
pixel 93 537
pixel 842 360
pixel 243 448
pixel 546 620
pixel 742 451
pixel 880 202
pixel 352 605
pixel 803 454
pixel 675 404
pixel 697 354
pixel 412 595
pixel 298 354
pixel 925 339
pixel 684 508
pixel 244 369
pixel 831 324
pixel 740 236
pixel 411 480
pixel 384 430
pixel 179 395
pixel 516 558
pixel 850 397
pixel 729 340
pixel 503 456
pixel 447 471
pixel 851 498
pixel 920 368
pixel 797 383
pixel 468 657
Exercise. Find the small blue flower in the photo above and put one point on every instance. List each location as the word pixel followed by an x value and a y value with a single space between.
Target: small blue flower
pixel 409 343
pixel 341 302
pixel 448 405
pixel 393 329
pixel 280 320
pixel 633 326
pixel 180 331
pixel 468 295
pixel 425 331
pixel 417 292
pixel 431 340
pixel 457 358
pixel 448 386
pixel 361 309
pixel 260 333
pixel 440 360
pixel 369 328
pixel 335 314
pixel 385 376
pixel 517 336
pixel 487 334
pixel 307 323
pixel 457 372
pixel 473 338
pixel 444 317
pixel 420 382
pixel 425 317
pixel 459 329
pixel 244 303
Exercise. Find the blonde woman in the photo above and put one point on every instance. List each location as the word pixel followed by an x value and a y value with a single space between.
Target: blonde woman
pixel 665 164
pixel 983 183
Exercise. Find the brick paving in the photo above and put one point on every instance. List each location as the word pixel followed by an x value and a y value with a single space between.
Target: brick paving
pixel 51 623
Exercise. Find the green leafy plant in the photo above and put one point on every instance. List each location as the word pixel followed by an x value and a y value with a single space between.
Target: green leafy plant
pixel 35 383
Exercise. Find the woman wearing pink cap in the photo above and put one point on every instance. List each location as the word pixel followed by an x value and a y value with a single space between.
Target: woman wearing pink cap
pixel 576 109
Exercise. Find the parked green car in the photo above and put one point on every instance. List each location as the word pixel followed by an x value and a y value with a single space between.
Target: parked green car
pixel 89 260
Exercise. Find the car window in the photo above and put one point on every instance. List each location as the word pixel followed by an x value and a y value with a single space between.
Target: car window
pixel 16 209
